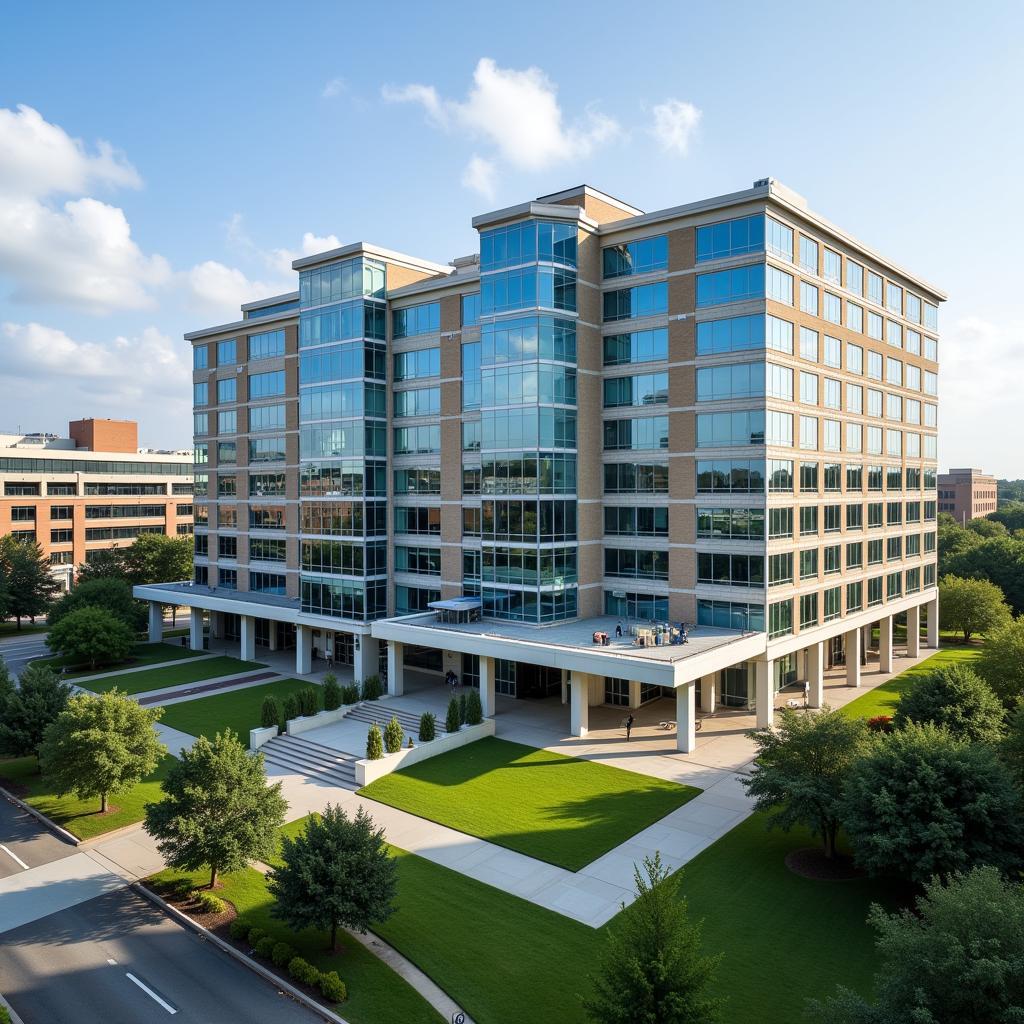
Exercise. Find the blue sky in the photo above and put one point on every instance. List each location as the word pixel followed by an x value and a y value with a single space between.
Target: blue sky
pixel 173 159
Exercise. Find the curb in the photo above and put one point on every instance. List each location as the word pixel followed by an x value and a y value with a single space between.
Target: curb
pixel 61 833
pixel 276 980
pixel 115 833
pixel 15 1019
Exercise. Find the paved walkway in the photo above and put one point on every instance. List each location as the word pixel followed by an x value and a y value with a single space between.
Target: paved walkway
pixel 190 691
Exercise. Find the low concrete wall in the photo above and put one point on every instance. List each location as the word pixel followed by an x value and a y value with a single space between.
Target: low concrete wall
pixel 301 725
pixel 257 737
pixel 369 771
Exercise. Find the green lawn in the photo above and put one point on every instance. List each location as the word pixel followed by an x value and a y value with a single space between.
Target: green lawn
pixel 375 993
pixel 558 809
pixel 882 699
pixel 82 817
pixel 142 654
pixel 8 627
pixel 239 710
pixel 170 675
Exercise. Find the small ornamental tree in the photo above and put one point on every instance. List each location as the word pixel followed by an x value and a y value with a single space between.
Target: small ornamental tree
pixel 91 636
pixel 101 745
pixel 29 584
pixel 955 698
pixel 453 719
pixel 428 727
pixel 350 694
pixel 270 712
pixel 474 709
pixel 462 708
pixel 220 810
pixel 26 711
pixel 971 606
pixel 110 594
pixel 653 968
pixel 374 743
pixel 290 710
pixel 372 688
pixel 393 734
pixel 1001 661
pixel 308 701
pixel 955 959
pixel 332 692
pixel 922 803
pixel 336 874
pixel 801 769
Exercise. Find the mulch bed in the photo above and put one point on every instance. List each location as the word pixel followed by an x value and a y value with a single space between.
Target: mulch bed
pixel 187 904
pixel 810 862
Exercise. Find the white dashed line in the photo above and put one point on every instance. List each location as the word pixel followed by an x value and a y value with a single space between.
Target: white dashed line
pixel 149 992
pixel 13 856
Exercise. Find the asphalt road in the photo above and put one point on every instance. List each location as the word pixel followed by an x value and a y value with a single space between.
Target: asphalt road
pixel 18 651
pixel 119 960
pixel 24 843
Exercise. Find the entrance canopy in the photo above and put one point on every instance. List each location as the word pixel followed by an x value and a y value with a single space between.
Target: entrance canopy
pixel 457 609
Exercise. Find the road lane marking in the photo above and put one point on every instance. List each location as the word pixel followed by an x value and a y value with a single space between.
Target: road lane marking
pixel 110 960
pixel 13 856
pixel 149 992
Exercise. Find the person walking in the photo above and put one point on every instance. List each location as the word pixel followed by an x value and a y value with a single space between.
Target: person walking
pixel 629 726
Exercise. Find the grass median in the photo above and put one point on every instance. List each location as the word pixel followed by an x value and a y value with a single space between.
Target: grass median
pixel 142 654
pixel 180 674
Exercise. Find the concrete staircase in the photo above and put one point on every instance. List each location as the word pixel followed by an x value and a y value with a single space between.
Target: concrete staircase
pixel 297 754
pixel 371 711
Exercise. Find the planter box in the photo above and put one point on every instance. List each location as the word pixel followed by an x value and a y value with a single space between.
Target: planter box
pixel 301 725
pixel 257 737
pixel 369 771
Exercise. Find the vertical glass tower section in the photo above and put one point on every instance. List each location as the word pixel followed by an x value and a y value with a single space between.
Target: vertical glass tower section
pixel 343 439
pixel 528 421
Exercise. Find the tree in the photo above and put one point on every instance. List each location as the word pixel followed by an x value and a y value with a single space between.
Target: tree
pixel 270 713
pixel 1001 662
pixel 105 564
pixel 374 743
pixel 801 768
pixel 29 583
pixel 25 712
pixel 332 692
pixel 653 969
pixel 111 594
pixel 923 803
pixel 1010 514
pixel 393 735
pixel 453 717
pixel 157 558
pixel 955 959
pixel 5 593
pixel 91 635
pixel 971 606
pixel 101 745
pixel 219 809
pixel 474 709
pixel 336 873
pixel 955 698
pixel 1000 560
pixel 1012 747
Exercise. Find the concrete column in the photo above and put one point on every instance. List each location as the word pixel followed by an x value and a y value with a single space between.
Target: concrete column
pixel 816 674
pixel 487 685
pixel 764 692
pixel 686 718
pixel 885 644
pixel 914 631
pixel 247 634
pixel 396 668
pixel 195 628
pixel 865 640
pixel 579 703
pixel 634 695
pixel 565 686
pixel 709 693
pixel 852 639
pixel 272 636
pixel 365 657
pixel 156 622
pixel 933 623
pixel 303 650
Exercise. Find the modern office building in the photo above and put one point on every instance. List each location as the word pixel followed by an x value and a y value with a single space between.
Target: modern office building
pixel 722 414
pixel 967 494
pixel 90 491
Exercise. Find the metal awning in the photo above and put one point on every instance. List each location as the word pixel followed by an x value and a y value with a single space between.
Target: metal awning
pixel 456 604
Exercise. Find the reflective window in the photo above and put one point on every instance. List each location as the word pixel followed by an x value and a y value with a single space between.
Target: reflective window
pixel 644 300
pixel 226 352
pixel 412 320
pixel 644 346
pixel 425 362
pixel 640 257
pixel 730 238
pixel 266 345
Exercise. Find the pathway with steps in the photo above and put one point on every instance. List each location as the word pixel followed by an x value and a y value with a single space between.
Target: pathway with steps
pixel 298 754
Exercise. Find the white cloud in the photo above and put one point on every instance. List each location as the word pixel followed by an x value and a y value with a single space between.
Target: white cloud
pixel 335 87
pixel 479 175
pixel 312 244
pixel 675 122
pixel 518 112
pixel 215 287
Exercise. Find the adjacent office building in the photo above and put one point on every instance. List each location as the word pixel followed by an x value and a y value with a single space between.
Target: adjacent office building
pixel 967 494
pixel 90 491
pixel 722 414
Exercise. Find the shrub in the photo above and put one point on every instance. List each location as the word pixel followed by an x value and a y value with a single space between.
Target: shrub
pixel 393 734
pixel 303 971
pixel 374 743
pixel 474 709
pixel 255 934
pixel 332 987
pixel 291 709
pixel 209 903
pixel 332 692
pixel 462 708
pixel 239 928
pixel 5 1014
pixel 372 688
pixel 880 723
pixel 350 694
pixel 309 702
pixel 270 713
pixel 955 698
pixel 282 954
pixel 452 720
pixel 428 727
pixel 265 947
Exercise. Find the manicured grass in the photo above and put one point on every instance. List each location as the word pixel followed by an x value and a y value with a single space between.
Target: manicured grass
pixel 82 817
pixel 882 699
pixel 142 654
pixel 558 809
pixel 170 675
pixel 375 993
pixel 9 627
pixel 239 709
